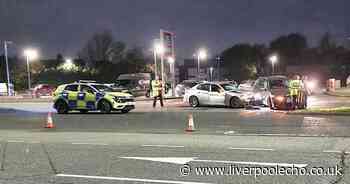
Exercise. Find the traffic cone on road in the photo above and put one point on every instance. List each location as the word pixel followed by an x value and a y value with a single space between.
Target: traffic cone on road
pixel 49 122
pixel 190 126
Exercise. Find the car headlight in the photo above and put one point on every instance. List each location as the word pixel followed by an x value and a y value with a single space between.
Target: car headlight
pixel 279 98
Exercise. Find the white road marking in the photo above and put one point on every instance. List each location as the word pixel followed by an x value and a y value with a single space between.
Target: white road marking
pixel 15 141
pixel 85 143
pixel 165 146
pixel 253 163
pixel 128 179
pixel 252 149
pixel 173 160
pixel 335 151
pixel 184 160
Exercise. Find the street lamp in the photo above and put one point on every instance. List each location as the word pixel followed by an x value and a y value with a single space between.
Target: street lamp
pixel 171 61
pixel 7 68
pixel 158 49
pixel 201 55
pixel 211 73
pixel 273 59
pixel 31 55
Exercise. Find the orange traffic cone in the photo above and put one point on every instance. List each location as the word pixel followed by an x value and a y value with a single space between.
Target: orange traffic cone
pixel 190 127
pixel 49 122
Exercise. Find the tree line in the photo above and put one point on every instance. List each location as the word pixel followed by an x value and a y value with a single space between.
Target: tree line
pixel 243 60
pixel 103 58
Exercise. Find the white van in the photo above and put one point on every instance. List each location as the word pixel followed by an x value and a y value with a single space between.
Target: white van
pixel 3 89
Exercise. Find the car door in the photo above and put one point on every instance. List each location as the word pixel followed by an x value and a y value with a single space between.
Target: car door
pixel 70 93
pixel 86 97
pixel 216 95
pixel 202 93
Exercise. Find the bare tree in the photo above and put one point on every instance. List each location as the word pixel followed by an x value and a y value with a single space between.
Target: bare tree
pixel 102 48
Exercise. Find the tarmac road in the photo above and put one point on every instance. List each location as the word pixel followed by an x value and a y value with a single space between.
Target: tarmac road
pixel 151 146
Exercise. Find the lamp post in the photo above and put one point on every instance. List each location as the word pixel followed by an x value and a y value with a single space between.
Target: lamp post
pixel 273 59
pixel 30 54
pixel 158 49
pixel 171 61
pixel 211 73
pixel 7 68
pixel 201 55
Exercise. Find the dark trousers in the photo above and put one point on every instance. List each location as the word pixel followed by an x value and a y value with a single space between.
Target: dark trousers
pixel 160 99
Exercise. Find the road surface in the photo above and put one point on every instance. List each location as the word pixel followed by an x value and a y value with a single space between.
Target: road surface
pixel 151 145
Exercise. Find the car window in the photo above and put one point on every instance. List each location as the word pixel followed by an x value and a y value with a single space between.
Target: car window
pixel 279 83
pixel 261 84
pixel 86 88
pixel 71 88
pixel 204 87
pixel 229 87
pixel 215 88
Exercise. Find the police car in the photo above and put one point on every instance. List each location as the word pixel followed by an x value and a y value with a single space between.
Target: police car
pixel 87 96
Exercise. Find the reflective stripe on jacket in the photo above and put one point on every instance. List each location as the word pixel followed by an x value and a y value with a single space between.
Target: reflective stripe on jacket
pixel 294 87
pixel 156 87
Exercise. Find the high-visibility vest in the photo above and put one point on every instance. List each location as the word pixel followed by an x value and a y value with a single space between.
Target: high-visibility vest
pixel 294 87
pixel 156 87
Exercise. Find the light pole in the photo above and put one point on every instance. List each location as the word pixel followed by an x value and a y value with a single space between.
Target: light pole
pixel 158 49
pixel 273 59
pixel 200 56
pixel 30 54
pixel 211 73
pixel 171 61
pixel 7 67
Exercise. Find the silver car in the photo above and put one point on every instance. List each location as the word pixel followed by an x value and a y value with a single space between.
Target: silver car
pixel 218 94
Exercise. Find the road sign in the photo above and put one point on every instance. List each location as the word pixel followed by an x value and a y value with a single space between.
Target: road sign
pixel 167 39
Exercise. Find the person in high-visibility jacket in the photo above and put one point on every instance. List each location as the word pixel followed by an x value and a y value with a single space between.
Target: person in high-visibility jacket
pixel 295 86
pixel 157 91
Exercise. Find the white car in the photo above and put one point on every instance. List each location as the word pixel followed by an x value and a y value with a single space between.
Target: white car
pixel 218 94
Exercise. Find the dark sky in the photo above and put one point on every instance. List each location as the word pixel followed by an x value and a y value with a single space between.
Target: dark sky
pixel 64 25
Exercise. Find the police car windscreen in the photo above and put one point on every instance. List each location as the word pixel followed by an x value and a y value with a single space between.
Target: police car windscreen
pixel 103 88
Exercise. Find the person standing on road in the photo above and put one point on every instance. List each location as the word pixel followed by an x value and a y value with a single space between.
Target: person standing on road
pixel 157 91
pixel 295 86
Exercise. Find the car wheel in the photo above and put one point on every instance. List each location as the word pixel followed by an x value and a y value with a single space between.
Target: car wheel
pixel 194 102
pixel 84 111
pixel 105 107
pixel 235 102
pixel 124 111
pixel 61 107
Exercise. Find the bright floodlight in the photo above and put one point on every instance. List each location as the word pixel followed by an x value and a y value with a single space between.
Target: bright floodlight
pixel 273 59
pixel 159 48
pixel 68 64
pixel 31 54
pixel 171 60
pixel 202 54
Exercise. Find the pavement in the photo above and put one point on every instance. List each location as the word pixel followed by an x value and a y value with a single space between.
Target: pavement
pixel 341 92
pixel 151 145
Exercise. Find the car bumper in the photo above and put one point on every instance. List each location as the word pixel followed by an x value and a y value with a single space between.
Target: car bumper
pixel 124 106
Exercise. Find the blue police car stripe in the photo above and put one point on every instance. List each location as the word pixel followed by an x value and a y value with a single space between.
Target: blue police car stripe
pixel 90 105
pixel 99 96
pixel 81 96
pixel 72 103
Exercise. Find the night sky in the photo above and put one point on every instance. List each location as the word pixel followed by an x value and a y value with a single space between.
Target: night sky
pixel 63 26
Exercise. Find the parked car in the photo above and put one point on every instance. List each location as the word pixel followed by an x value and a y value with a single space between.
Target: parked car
pixel 216 93
pixel 43 90
pixel 183 86
pixel 273 92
